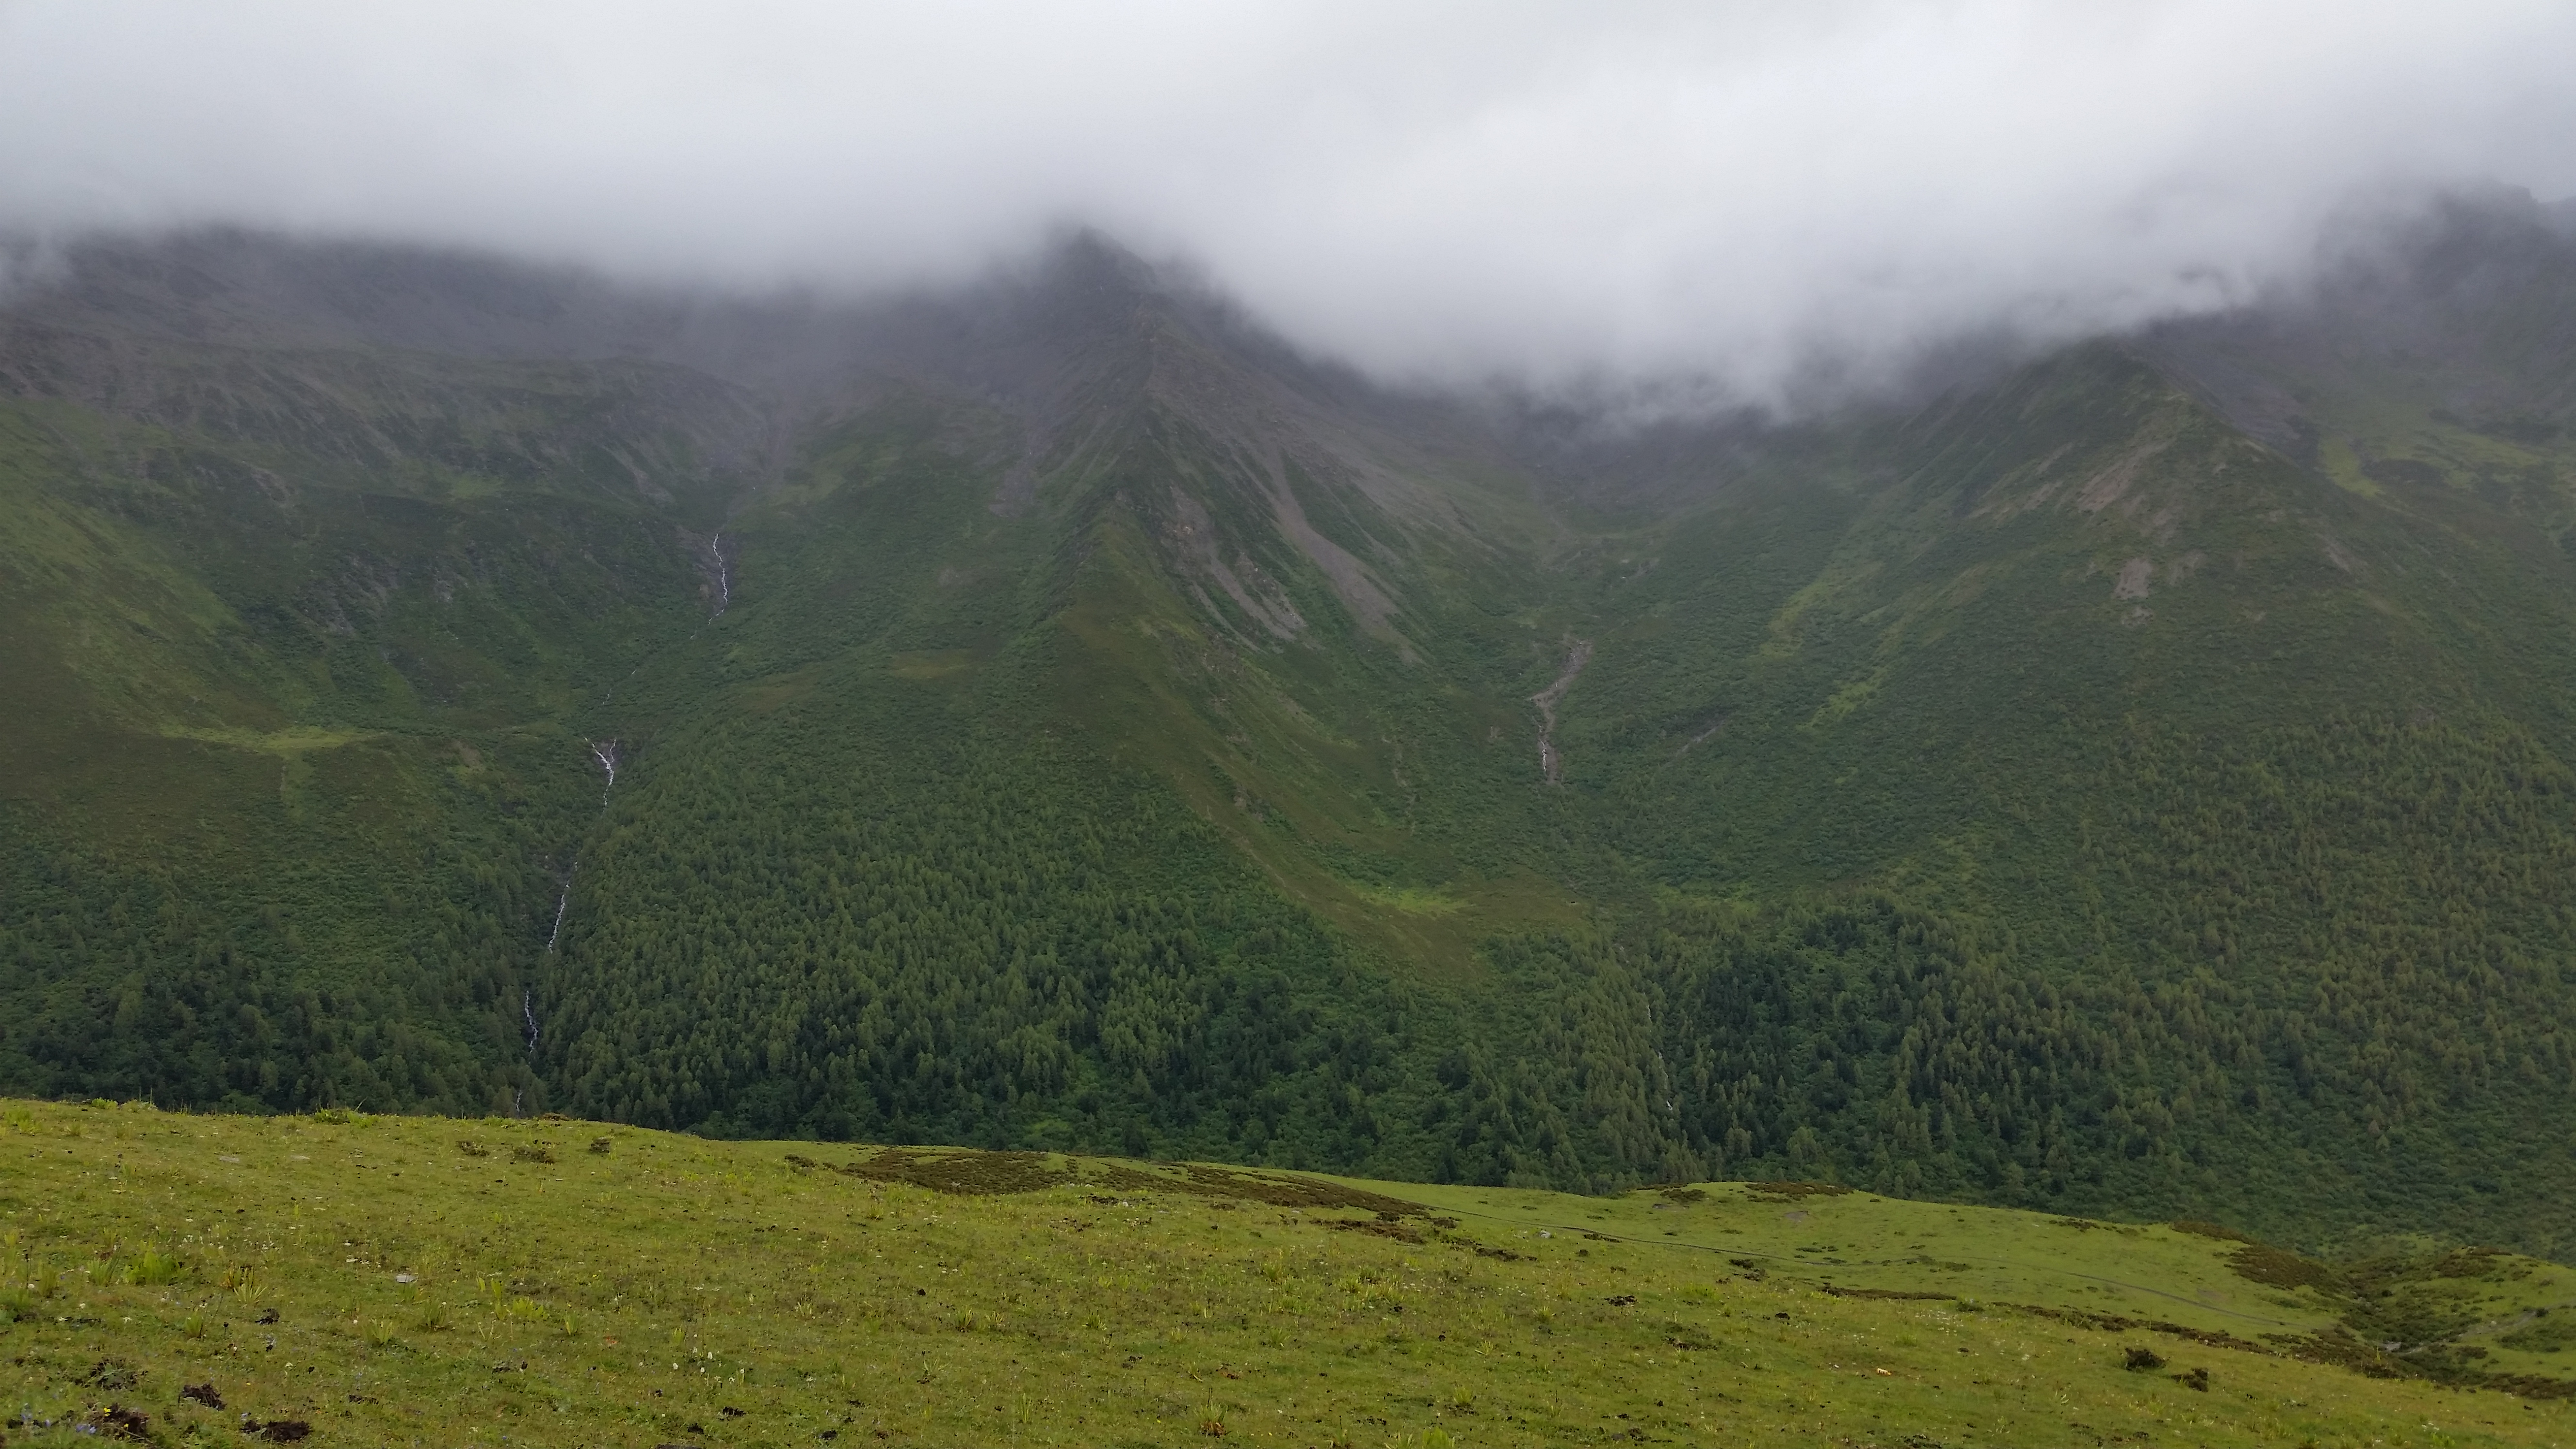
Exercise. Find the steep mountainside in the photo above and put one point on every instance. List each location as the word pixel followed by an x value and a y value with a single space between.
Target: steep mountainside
pixel 1056 715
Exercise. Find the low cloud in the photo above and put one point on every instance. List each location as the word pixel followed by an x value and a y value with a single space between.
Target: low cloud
pixel 1720 201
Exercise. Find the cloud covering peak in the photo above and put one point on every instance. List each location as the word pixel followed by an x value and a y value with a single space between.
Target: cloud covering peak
pixel 1726 197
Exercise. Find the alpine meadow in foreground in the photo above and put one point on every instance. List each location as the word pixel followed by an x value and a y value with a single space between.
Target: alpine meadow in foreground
pixel 347 1279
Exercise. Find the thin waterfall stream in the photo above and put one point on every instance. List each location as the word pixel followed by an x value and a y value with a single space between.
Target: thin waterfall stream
pixel 604 753
pixel 563 898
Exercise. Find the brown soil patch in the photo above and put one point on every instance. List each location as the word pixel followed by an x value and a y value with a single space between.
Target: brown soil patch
pixel 1792 1191
pixel 2135 576
pixel 972 1173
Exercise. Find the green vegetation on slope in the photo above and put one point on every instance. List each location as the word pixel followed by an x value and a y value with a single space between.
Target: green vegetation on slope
pixel 388 1279
pixel 2122 820
pixel 2053 798
pixel 291 665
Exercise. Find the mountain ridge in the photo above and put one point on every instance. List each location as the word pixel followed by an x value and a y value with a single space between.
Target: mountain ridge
pixel 1059 716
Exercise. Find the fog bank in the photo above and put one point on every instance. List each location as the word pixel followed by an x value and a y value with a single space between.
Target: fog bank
pixel 1715 200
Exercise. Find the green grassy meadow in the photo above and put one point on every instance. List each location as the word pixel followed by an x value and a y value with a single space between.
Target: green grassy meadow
pixel 344 1279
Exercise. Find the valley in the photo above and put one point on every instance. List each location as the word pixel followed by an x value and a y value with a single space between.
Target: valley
pixel 2128 782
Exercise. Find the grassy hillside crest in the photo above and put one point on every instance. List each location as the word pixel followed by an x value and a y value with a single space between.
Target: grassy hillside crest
pixel 181 1278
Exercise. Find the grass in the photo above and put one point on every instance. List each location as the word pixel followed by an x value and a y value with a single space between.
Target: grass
pixel 1412 900
pixel 369 1280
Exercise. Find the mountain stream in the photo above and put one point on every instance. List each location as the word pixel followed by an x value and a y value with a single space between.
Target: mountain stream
pixel 1551 763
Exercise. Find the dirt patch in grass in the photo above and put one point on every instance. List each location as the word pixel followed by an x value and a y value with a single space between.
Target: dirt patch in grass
pixel 1886 1293
pixel 1397 1231
pixel 968 1174
pixel 987 1174
pixel 1792 1191
pixel 1287 1192
pixel 111 1374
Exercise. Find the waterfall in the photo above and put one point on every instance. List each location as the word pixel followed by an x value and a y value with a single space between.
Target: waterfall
pixel 562 900
pixel 605 751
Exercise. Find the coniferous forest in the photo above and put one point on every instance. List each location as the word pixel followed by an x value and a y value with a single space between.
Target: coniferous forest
pixel 2138 779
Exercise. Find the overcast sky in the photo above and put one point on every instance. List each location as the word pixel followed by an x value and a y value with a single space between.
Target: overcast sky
pixel 1447 191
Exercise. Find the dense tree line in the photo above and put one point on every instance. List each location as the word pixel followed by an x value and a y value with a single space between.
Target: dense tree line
pixel 988 945
pixel 2312 977
pixel 187 989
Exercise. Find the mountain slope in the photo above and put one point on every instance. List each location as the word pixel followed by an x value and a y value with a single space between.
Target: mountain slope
pixel 1055 715
pixel 1093 752
pixel 2115 813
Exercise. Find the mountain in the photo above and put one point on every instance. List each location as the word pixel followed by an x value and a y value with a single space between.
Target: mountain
pixel 2130 781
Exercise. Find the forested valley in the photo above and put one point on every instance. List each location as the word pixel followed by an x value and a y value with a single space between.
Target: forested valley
pixel 2138 780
